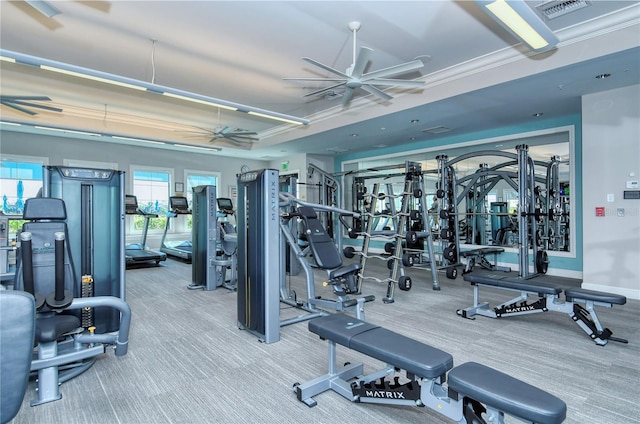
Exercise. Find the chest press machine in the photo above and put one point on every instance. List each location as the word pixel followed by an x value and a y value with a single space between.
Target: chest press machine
pixel 548 299
pixel 341 278
pixel 475 393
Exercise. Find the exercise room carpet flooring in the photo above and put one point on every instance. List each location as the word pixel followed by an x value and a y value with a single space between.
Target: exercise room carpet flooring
pixel 189 363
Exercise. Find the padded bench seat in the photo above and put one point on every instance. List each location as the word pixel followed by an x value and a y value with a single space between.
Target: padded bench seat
pixel 481 251
pixel 596 296
pixel 502 282
pixel 505 393
pixel 395 349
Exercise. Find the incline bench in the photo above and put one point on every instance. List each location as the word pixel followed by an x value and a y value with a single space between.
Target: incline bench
pixel 475 392
pixel 548 295
pixel 479 257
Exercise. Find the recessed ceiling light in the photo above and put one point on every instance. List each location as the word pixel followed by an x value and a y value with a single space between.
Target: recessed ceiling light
pixel 414 121
pixel 380 146
pixel 354 135
pixel 382 129
pixel 603 76
pixel 537 114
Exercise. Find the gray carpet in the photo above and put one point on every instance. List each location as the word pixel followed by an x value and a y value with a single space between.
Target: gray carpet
pixel 189 363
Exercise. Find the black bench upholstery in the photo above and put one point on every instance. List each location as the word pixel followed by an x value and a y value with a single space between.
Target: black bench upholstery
pixel 497 392
pixel 507 394
pixel 596 296
pixel 417 358
pixel 548 293
pixel 504 282
pixel 481 251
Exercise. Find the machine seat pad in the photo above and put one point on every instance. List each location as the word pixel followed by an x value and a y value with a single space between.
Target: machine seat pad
pixel 44 208
pixel 345 270
pixel 384 345
pixel 481 251
pixel 596 296
pixel 524 285
pixel 507 394
pixel 49 328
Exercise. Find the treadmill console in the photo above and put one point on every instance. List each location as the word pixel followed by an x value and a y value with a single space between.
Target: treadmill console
pixel 225 205
pixel 130 204
pixel 179 205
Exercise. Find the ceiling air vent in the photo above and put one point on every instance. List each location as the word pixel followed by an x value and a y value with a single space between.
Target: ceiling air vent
pixel 437 130
pixel 556 8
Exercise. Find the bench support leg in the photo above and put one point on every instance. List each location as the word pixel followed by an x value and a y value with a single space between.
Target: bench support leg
pixel 336 380
pixel 587 319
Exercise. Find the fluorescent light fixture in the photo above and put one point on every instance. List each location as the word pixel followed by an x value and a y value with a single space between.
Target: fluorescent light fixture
pixel 519 19
pixel 279 117
pixel 43 7
pixel 188 146
pixel 15 124
pixel 197 100
pixel 108 78
pixel 92 77
pixel 139 140
pixel 64 130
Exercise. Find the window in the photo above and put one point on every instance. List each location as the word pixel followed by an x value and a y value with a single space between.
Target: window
pixel 151 187
pixel 197 178
pixel 20 179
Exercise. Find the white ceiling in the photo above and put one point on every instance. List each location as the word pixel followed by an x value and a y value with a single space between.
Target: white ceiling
pixel 476 75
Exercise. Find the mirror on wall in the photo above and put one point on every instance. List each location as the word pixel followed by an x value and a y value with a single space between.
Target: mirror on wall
pixel 485 184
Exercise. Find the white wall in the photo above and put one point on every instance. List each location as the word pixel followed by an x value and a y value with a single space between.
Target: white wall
pixel 611 157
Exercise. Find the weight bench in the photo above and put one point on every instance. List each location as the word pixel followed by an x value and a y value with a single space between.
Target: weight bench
pixel 474 393
pixel 548 299
pixel 479 256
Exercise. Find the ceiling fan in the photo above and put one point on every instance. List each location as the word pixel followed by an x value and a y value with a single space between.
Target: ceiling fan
pixel 354 77
pixel 236 136
pixel 21 103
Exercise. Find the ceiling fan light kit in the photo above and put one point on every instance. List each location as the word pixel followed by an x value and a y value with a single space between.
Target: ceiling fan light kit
pixel 104 77
pixel 354 77
pixel 522 22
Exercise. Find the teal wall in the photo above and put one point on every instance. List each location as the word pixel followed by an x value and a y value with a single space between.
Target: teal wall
pixel 561 264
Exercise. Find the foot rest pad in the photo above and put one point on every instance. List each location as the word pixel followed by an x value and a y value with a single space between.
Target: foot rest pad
pixel 505 393
pixel 596 296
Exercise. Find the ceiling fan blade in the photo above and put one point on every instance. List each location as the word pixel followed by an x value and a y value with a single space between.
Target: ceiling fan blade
pixel 325 67
pixel 324 89
pixel 361 61
pixel 28 104
pixel 393 70
pixel 395 82
pixel 18 108
pixel 10 98
pixel 348 94
pixel 314 79
pixel 244 134
pixel 379 93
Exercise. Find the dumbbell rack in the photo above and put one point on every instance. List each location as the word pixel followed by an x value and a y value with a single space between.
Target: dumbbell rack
pixel 400 257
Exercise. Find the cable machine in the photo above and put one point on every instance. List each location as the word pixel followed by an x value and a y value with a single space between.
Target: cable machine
pixel 94 201
pixel 259 254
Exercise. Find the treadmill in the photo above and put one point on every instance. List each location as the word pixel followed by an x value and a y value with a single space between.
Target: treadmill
pixel 139 253
pixel 178 205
